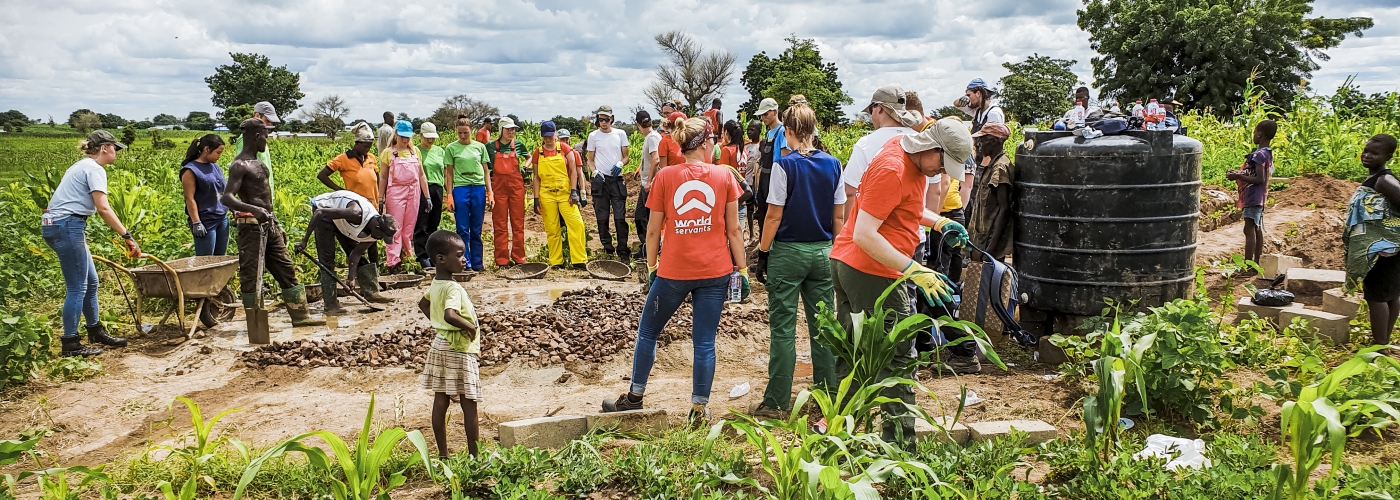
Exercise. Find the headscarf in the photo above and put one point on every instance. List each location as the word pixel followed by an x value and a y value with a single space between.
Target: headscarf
pixel 695 142
pixel 362 132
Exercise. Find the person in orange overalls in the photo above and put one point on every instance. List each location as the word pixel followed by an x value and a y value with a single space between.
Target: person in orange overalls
pixel 505 155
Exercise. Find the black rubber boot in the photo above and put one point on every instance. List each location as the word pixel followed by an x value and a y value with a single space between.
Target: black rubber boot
pixel 74 347
pixel 97 334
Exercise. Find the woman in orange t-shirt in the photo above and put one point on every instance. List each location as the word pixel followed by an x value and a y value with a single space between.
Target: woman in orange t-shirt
pixel 695 208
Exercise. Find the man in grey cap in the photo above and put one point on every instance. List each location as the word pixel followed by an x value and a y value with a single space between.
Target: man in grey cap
pixel 876 250
pixel 889 118
pixel 773 146
pixel 607 156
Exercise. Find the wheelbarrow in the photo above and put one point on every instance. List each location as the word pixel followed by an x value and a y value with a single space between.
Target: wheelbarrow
pixel 203 278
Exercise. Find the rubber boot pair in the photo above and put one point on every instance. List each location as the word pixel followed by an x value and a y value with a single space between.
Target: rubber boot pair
pixel 295 299
pixel 97 334
pixel 367 276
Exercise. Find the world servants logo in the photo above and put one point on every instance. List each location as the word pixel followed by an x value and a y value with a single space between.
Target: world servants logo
pixel 701 203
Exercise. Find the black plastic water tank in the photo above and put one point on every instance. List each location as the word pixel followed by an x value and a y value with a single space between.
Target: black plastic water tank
pixel 1112 217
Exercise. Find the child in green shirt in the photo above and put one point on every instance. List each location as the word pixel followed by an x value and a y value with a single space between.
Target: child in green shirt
pixel 451 366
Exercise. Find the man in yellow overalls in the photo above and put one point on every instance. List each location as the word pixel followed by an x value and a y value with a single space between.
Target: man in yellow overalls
pixel 556 196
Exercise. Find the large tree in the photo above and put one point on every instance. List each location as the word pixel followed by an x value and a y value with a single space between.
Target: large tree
pixel 327 116
pixel 13 121
pixel 445 117
pixel 696 74
pixel 199 120
pixel 1037 89
pixel 251 78
pixel 755 80
pixel 1202 52
pixel 112 121
pixel 165 119
pixel 85 121
pixel 73 117
pixel 800 70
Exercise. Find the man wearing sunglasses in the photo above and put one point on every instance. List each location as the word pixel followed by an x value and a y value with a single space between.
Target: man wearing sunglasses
pixel 607 155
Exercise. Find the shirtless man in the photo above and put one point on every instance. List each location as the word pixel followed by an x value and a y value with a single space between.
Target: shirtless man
pixel 249 194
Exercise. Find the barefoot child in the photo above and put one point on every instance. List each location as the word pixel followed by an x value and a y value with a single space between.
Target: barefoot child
pixel 1253 182
pixel 1372 240
pixel 451 368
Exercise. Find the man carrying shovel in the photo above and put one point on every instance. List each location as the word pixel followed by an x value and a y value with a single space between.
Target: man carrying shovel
pixel 260 241
pixel 351 220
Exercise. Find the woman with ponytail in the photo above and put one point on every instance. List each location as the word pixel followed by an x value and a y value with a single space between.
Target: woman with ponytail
pixel 202 180
pixel 468 190
pixel 695 209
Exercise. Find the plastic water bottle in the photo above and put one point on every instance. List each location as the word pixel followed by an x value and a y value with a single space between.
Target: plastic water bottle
pixel 1138 110
pixel 736 287
pixel 47 218
pixel 1078 114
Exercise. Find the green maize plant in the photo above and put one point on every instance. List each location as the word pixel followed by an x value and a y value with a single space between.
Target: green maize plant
pixel 363 479
pixel 200 451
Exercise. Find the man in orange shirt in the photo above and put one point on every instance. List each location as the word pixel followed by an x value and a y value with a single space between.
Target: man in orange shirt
pixel 359 171
pixel 483 134
pixel 872 253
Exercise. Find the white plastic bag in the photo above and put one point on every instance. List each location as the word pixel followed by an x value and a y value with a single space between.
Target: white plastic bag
pixel 739 390
pixel 1190 452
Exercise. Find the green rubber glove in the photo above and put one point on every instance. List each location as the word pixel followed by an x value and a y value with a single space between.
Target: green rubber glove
pixel 956 233
pixel 935 286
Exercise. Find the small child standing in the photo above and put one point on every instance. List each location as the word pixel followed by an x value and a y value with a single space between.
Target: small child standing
pixel 451 367
pixel 1252 180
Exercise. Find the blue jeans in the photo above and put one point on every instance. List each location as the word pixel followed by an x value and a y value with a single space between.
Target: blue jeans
pixel 67 238
pixel 707 301
pixel 215 242
pixel 471 210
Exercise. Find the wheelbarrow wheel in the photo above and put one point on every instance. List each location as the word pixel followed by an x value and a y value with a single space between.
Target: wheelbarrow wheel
pixel 218 308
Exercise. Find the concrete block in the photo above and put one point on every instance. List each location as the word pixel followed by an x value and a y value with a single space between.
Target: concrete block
pixel 1246 306
pixel 1333 326
pixel 543 432
pixel 1336 301
pixel 644 421
pixel 1276 264
pixel 1037 431
pixel 1312 282
pixel 958 431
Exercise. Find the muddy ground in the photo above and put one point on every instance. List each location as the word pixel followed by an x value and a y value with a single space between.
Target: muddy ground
pixel 122 412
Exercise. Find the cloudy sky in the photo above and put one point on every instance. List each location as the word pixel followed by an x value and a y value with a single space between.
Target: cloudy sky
pixel 138 58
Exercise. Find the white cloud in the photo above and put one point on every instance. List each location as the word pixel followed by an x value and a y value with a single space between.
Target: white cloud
pixel 537 59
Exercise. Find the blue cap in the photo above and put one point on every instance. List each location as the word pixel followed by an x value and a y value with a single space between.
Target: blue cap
pixel 547 129
pixel 404 128
pixel 977 83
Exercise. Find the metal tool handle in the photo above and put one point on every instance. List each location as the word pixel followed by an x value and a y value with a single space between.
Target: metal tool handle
pixel 337 279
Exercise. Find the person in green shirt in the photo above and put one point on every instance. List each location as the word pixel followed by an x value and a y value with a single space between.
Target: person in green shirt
pixel 468 188
pixel 430 216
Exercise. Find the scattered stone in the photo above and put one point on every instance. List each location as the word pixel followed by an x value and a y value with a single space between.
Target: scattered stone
pixel 644 421
pixel 959 432
pixel 1332 326
pixel 1276 264
pixel 1336 301
pixel 1312 282
pixel 543 432
pixel 1037 431
pixel 563 379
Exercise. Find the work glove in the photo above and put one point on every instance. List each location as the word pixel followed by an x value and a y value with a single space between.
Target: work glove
pixel 936 287
pixel 537 206
pixel 582 199
pixel 598 176
pixel 447 204
pixel 132 249
pixel 574 196
pixel 651 276
pixel 617 169
pixel 955 234
pixel 427 205
pixel 744 288
pixel 760 267
pixel 198 230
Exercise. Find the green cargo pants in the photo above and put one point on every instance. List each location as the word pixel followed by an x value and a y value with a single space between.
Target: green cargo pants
pixel 796 269
pixel 858 291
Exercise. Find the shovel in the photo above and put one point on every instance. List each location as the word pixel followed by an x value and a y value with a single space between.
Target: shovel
pixel 258 330
pixel 371 306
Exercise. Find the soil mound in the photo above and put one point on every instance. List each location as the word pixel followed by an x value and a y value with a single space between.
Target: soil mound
pixel 1316 191
pixel 1316 238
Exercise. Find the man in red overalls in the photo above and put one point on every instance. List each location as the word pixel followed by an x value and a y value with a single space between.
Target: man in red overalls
pixel 508 181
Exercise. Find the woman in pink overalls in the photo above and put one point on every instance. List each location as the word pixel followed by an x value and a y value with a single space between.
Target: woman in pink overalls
pixel 402 184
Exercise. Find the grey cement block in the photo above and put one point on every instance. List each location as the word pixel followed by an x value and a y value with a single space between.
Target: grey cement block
pixel 1312 282
pixel 958 432
pixel 1037 431
pixel 1332 326
pixel 543 432
pixel 1246 306
pixel 1276 264
pixel 1336 301
pixel 644 421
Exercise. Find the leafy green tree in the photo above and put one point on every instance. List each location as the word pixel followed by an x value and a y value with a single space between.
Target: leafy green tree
pixel 73 117
pixel 1201 52
pixel 13 121
pixel 86 121
pixel 947 111
pixel 231 117
pixel 326 116
pixel 199 120
pixel 129 135
pixel 1037 89
pixel 112 121
pixel 798 70
pixel 165 119
pixel 251 78
pixel 575 125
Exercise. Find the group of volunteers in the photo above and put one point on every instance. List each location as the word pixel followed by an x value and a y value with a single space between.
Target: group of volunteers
pixel 914 194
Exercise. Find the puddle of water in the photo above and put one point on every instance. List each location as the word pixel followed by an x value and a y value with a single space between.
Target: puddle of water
pixel 802 369
pixel 526 297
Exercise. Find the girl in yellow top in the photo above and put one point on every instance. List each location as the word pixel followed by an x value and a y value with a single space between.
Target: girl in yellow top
pixel 451 367
pixel 554 197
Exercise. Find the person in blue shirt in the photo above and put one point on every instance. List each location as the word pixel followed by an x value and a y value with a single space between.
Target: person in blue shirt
pixel 805 212
pixel 774 146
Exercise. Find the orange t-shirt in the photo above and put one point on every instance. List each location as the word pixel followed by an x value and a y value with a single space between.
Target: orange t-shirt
pixel 483 135
pixel 692 198
pixel 362 178
pixel 729 155
pixel 670 150
pixel 892 190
